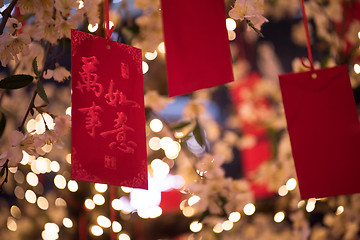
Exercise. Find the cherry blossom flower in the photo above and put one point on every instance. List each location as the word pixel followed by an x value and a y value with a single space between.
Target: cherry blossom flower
pixel 250 10
pixel 193 109
pixel 5 54
pixel 11 46
pixel 12 25
pixel 62 125
pixel 65 6
pixel 59 74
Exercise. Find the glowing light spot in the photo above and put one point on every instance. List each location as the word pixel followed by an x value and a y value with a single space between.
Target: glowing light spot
pixel 230 24
pixel 116 227
pixel 68 111
pixel 151 55
pixel 32 179
pixel 55 166
pixel 59 202
pixel 143 213
pixel 117 204
pixel 81 4
pixel 291 184
pixel 31 125
pixel 357 68
pixel 89 204
pixel 124 236
pixel 249 209
pixel 279 217
pixel 19 192
pixel 42 203
pixel 156 125
pixel 99 199
pixel 165 142
pixel 227 225
pixel 179 134
pixel 73 186
pixel 234 216
pixel 145 67
pixel 155 212
pixel 154 143
pixel 92 28
pixel 126 189
pixel 68 158
pixel 359 35
pixel 339 210
pixel 67 223
pixel 160 169
pixel 103 221
pixel 188 211
pixel 231 35
pixel 43 165
pixel 30 196
pixel 101 187
pixel 51 228
pixel 60 181
pixel 218 228
pixel 47 148
pixel 172 150
pixel 193 199
pixel 15 212
pixel 96 230
pixel 11 224
pixel 161 47
pixel 283 190
pixel 301 204
pixel 310 206
pixel 195 226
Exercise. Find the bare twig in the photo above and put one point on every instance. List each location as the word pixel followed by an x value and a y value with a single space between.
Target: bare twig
pixel 6 14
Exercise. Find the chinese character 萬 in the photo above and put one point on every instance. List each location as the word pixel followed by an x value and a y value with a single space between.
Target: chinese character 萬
pixel 89 77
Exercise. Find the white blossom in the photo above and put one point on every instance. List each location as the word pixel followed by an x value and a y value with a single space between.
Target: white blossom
pixel 249 10
pixel 62 125
pixel 59 74
pixel 12 25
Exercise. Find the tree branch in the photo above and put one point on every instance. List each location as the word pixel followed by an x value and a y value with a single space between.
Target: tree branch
pixel 6 14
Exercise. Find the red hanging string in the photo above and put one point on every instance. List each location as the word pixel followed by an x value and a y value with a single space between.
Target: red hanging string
pixel 307 37
pixel 112 211
pixel 108 31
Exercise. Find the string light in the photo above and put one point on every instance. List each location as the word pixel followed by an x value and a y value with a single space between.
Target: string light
pixel 96 230
pixel 117 204
pixel 116 227
pixel 227 225
pixel 124 236
pixel 193 199
pixel 92 28
pixel 126 189
pixel 32 179
pixel 339 210
pixel 99 199
pixel 218 228
pixel 161 47
pixel 42 203
pixel 60 181
pixel 230 24
pixel 195 226
pixel 89 204
pixel 73 186
pixel 156 125
pixel 68 111
pixel 59 202
pixel 145 67
pixel 357 68
pixel 55 166
pixel 11 224
pixel 279 217
pixel 249 209
pixel 103 221
pixel 15 211
pixel 151 55
pixel 291 184
pixel 67 223
pixel 231 35
pixel 30 196
pixel 101 188
pixel 234 216
pixel 188 211
pixel 154 143
pixel 283 190
pixel 310 206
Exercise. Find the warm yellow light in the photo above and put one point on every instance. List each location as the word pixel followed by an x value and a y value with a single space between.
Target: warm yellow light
pixel 96 230
pixel 160 169
pixel 188 211
pixel 42 203
pixel 279 217
pixel 227 225
pixel 218 228
pixel 30 196
pixel 81 4
pixel 43 165
pixel 59 202
pixel 68 158
pixel 68 111
pixel 32 179
pixel 154 143
pixel 339 210
pixel 51 228
pixel 11 224
pixel 92 28
pixel 195 226
pixel 172 150
pixel 117 204
pixel 249 209
pixel 155 212
pixel 230 24
pixel 73 186
pixel 151 55
pixel 193 199
pixel 231 35
pixel 291 184
pixel 126 189
pixel 47 148
pixel 116 227
pixel 165 142
pixel 357 68
pixel 55 166
pixel 161 47
pixel 31 125
pixel 310 206
pixel 359 35
pixel 89 204
pixel 15 211
pixel 301 203
pixel 101 188
pixel 99 199
pixel 67 223
pixel 234 216
pixel 60 181
pixel 145 67
pixel 103 221
pixel 283 190
pixel 124 236
pixel 156 125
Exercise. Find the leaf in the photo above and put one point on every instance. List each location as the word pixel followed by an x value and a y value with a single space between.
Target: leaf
pixel 2 123
pixel 35 67
pixel 16 81
pixel 2 171
pixel 198 135
pixel 180 125
pixel 41 91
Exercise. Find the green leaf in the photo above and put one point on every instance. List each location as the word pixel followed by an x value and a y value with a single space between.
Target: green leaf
pixel 180 125
pixel 2 123
pixel 35 67
pixel 16 81
pixel 3 170
pixel 198 135
pixel 41 91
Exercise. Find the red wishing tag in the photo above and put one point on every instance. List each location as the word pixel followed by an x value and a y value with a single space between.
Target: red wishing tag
pixel 197 45
pixel 108 120
pixel 324 131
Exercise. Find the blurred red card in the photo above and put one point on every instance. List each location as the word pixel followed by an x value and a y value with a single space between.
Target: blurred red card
pixel 197 45
pixel 324 131
pixel 108 119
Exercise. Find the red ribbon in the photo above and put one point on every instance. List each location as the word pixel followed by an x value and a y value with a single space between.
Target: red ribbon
pixel 108 31
pixel 307 39
pixel 112 211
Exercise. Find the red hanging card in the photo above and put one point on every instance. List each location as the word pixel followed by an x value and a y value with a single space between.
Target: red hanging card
pixel 324 131
pixel 108 120
pixel 197 45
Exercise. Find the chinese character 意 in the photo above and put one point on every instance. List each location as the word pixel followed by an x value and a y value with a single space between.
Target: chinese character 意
pixel 116 97
pixel 89 77
pixel 92 120
pixel 120 130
